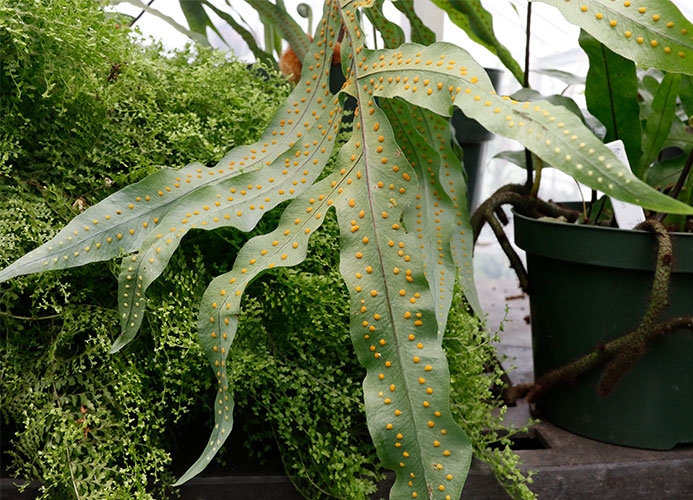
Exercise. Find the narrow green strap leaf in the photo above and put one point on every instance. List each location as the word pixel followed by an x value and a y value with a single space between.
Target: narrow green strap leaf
pixel 653 33
pixel 221 303
pixel 611 93
pixel 441 75
pixel 119 224
pixel 420 33
pixel 286 25
pixel 477 22
pixel 686 94
pixel 286 246
pixel 196 37
pixel 247 36
pixel 659 121
pixel 394 326
pixel 197 17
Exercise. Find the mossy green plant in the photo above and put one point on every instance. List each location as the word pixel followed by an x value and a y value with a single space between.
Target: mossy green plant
pixel 89 109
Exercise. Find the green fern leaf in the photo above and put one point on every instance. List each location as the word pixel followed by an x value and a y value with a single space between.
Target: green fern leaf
pixel 441 75
pixel 154 214
pixel 394 327
pixel 440 217
pixel 652 33
pixel 477 22
pixel 285 246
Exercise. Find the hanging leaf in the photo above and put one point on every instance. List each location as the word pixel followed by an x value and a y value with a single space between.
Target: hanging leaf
pixel 477 22
pixel 441 75
pixel 652 33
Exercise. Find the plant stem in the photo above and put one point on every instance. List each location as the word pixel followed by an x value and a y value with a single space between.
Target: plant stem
pixel 525 84
pixel 646 329
pixel 625 350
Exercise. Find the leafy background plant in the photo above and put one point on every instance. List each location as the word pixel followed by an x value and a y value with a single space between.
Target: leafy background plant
pixel 90 109
pixel 90 424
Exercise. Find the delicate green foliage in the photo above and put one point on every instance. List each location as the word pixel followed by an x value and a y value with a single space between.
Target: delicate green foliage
pixel 82 103
pixel 477 22
pixel 611 92
pixel 650 32
pixel 475 371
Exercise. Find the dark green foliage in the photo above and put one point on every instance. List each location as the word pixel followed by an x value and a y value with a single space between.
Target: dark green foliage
pixel 86 107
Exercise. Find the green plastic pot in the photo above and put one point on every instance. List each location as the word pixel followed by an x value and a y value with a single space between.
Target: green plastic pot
pixel 589 285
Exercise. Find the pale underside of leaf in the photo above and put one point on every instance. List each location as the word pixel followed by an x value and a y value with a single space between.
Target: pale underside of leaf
pixel 394 326
pixel 440 217
pixel 652 33
pixel 439 76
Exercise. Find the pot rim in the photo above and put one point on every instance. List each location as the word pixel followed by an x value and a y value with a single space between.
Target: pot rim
pixel 598 245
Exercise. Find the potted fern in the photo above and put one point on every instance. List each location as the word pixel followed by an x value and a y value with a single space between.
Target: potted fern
pixel 636 283
pixel 399 194
pixel 610 307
